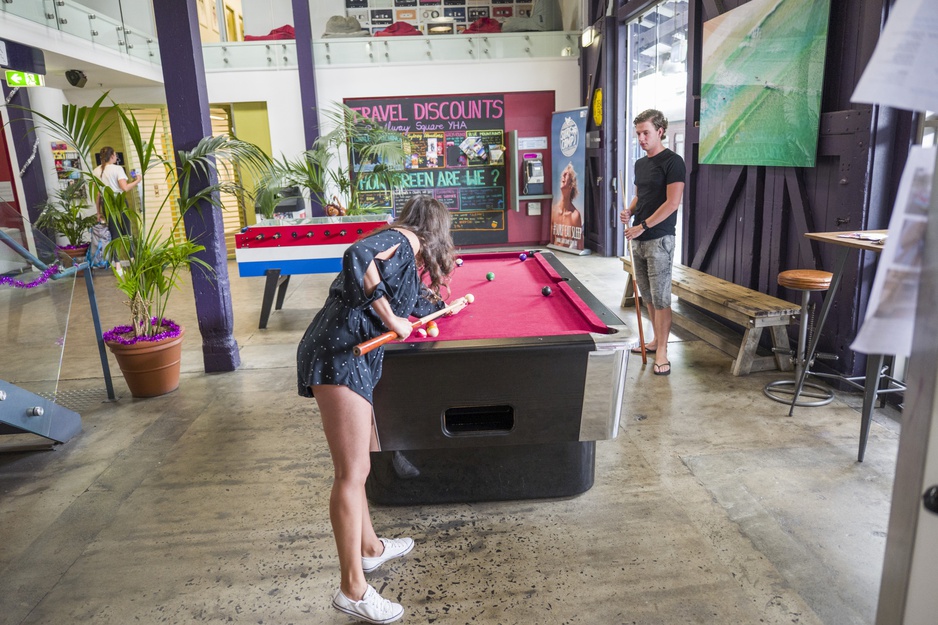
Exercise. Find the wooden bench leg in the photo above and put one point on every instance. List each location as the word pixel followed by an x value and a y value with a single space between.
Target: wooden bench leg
pixel 628 296
pixel 747 352
pixel 780 341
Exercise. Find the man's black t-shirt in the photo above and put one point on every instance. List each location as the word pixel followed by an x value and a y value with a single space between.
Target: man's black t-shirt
pixel 653 174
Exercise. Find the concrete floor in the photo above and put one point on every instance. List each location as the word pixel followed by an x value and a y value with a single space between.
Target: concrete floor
pixel 209 504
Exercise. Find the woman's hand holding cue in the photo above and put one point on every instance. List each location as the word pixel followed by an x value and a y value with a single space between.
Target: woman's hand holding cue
pixel 460 304
pixel 400 332
pixel 401 327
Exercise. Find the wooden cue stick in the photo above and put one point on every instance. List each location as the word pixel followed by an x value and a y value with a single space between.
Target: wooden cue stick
pixel 387 337
pixel 638 306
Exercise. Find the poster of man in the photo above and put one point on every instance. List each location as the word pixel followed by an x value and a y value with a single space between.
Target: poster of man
pixel 568 131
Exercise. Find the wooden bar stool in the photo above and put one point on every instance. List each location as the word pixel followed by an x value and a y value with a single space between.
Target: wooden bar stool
pixel 787 391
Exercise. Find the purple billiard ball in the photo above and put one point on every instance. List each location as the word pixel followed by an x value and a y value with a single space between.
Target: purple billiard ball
pixel 522 257
pixel 546 291
pixel 459 262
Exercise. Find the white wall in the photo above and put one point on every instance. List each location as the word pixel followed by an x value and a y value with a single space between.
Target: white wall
pixel 120 95
pixel 559 75
pixel 279 89
pixel 262 16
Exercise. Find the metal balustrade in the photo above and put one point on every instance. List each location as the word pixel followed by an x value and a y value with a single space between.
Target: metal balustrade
pixel 80 21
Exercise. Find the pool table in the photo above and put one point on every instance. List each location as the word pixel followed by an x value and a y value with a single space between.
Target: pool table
pixel 508 401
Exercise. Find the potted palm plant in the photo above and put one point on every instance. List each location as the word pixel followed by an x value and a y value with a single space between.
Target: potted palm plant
pixel 346 171
pixel 351 171
pixel 148 348
pixel 64 214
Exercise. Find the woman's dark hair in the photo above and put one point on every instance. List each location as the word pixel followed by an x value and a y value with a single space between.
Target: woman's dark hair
pixel 105 155
pixel 430 221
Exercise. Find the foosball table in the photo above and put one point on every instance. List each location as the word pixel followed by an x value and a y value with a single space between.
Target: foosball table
pixel 277 251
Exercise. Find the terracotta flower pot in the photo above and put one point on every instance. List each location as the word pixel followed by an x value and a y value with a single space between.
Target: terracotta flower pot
pixel 150 368
pixel 77 254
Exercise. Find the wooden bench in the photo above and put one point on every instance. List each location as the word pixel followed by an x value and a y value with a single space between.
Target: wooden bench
pixel 744 307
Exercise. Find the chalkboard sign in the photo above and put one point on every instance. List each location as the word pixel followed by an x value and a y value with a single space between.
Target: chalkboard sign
pixel 455 148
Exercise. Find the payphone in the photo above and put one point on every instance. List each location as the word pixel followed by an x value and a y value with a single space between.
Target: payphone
pixel 532 174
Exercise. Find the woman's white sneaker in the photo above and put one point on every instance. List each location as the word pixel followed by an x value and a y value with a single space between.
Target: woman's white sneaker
pixel 372 608
pixel 393 548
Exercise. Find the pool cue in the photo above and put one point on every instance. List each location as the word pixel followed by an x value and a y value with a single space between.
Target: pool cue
pixel 387 337
pixel 638 295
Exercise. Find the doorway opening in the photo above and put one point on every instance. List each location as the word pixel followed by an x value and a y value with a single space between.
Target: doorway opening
pixel 655 78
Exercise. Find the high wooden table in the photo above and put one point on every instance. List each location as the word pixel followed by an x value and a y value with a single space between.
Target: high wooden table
pixel 872 241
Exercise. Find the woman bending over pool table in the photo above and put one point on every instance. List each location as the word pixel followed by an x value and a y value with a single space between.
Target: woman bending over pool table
pixel 380 285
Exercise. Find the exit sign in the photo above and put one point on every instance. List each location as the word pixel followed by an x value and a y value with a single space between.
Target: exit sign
pixel 24 79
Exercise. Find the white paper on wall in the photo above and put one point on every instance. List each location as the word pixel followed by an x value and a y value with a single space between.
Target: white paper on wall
pixel 902 72
pixel 890 315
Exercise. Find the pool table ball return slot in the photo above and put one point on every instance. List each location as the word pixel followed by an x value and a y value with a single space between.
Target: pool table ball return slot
pixel 508 401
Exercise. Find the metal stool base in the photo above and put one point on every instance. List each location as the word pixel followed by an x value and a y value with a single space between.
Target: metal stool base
pixel 782 391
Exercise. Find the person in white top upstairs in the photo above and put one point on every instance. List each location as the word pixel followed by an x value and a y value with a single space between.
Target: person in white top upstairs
pixel 112 174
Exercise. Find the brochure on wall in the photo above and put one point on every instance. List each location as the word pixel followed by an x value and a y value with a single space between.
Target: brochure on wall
pixel 890 315
pixel 902 72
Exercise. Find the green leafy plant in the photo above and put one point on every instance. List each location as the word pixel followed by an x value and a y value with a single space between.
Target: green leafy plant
pixel 355 145
pixel 153 256
pixel 64 213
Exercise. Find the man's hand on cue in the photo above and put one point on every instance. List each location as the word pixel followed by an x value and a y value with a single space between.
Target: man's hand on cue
pixel 634 232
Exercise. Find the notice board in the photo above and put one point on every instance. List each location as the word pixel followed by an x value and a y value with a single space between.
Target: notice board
pixel 455 147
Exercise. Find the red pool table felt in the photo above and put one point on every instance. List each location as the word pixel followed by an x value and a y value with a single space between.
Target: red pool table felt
pixel 512 305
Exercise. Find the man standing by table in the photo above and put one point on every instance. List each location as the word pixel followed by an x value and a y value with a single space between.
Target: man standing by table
pixel 659 186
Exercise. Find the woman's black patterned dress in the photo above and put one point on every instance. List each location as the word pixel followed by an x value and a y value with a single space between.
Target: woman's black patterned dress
pixel 325 354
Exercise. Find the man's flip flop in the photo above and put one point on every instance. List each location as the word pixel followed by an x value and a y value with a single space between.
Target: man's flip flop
pixel 656 369
pixel 638 350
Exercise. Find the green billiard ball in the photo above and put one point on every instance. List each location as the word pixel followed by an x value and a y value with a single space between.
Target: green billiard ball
pixel 490 276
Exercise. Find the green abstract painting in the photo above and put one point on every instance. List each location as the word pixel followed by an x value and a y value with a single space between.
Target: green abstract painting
pixel 763 70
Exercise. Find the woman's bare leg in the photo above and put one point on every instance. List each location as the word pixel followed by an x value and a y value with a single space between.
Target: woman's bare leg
pixel 347 423
pixel 371 546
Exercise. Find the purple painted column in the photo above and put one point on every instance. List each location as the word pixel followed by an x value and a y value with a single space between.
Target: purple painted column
pixel 177 27
pixel 306 68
